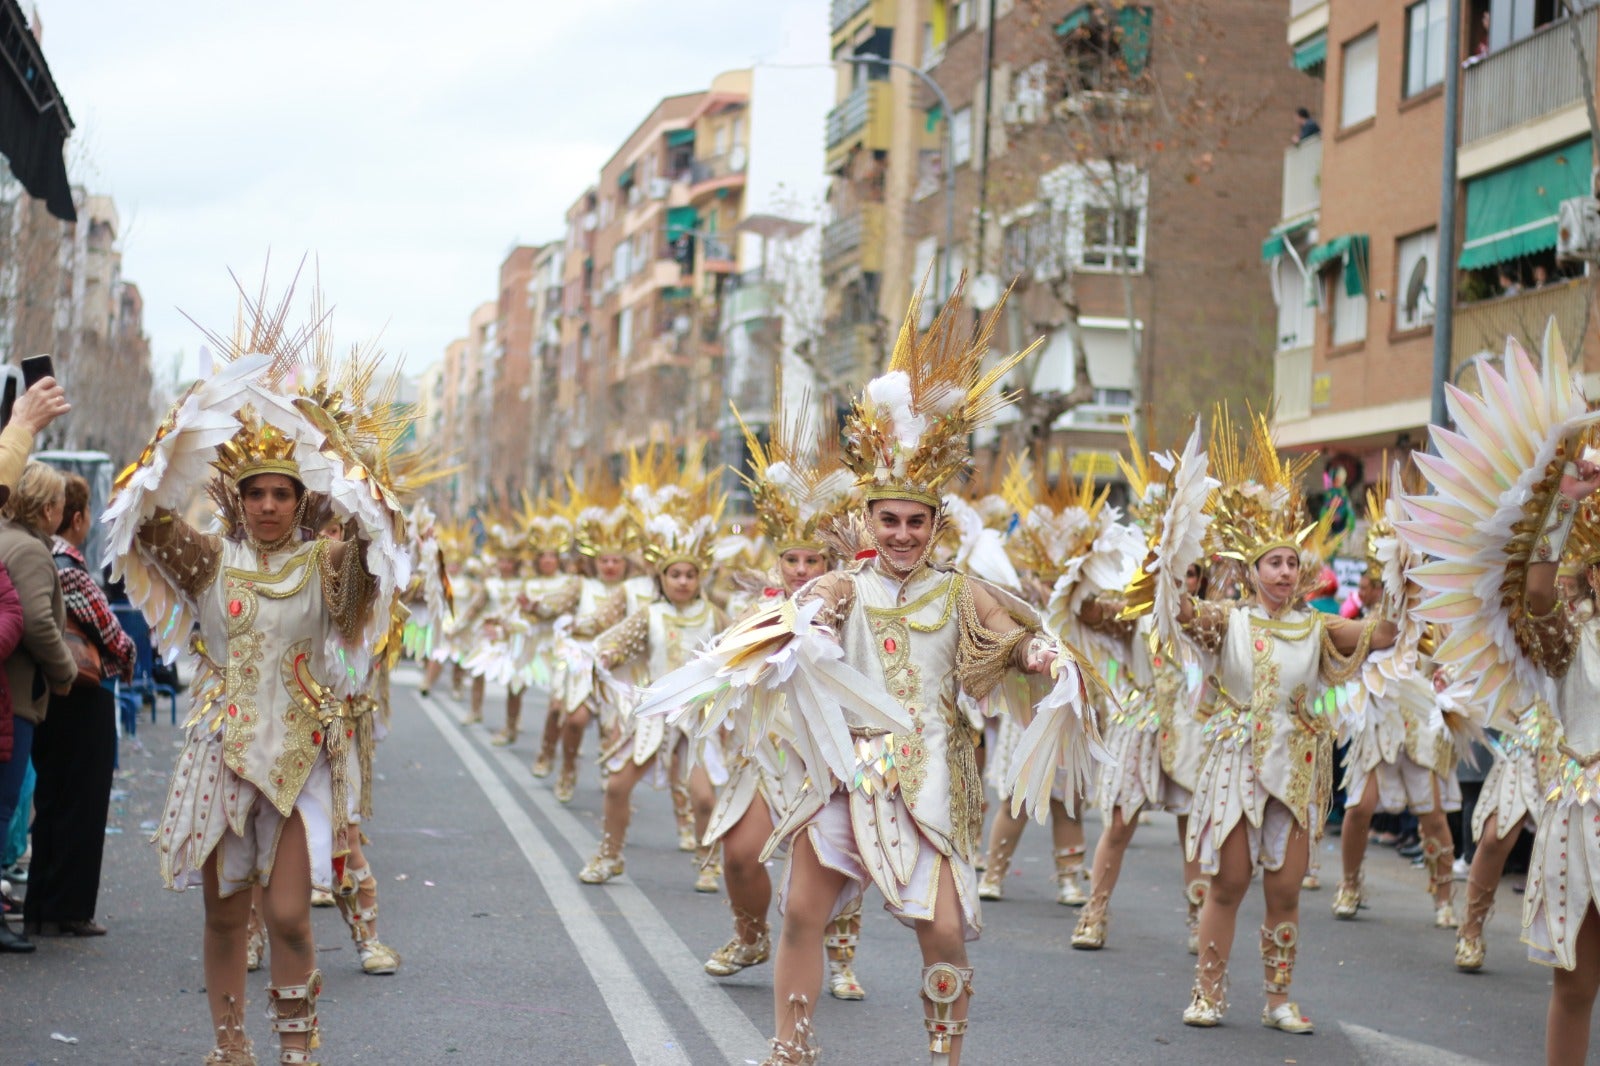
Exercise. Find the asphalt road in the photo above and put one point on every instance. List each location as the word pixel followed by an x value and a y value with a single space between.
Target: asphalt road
pixel 509 959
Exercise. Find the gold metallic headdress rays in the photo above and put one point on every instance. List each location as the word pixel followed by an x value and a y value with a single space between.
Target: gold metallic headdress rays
pixel 907 436
pixel 1054 525
pixel 1260 505
pixel 796 488
pixel 675 506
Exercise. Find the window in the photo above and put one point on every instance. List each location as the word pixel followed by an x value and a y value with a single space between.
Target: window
pixel 1296 313
pixel 738 131
pixel 1413 288
pixel 1359 80
pixel 1113 238
pixel 625 334
pixel 1349 313
pixel 961 136
pixel 963 15
pixel 1425 39
pixel 719 140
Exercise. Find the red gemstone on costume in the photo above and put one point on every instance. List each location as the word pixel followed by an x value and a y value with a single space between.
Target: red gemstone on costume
pixel 316 736
pixel 1308 756
pixel 889 645
pixel 233 710
pixel 235 608
pixel 1261 645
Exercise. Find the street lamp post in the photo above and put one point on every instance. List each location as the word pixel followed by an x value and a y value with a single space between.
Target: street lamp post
pixel 949 167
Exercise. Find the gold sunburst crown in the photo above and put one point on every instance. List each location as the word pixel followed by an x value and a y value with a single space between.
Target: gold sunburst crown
pixel 1054 525
pixel 675 507
pixel 546 525
pixel 796 487
pixel 908 434
pixel 1260 505
pixel 258 447
pixel 601 524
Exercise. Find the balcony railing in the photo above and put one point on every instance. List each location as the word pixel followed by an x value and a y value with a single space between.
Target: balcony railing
pixel 844 351
pixel 1291 383
pixel 851 115
pixel 717 166
pixel 845 10
pixel 1302 178
pixel 841 237
pixel 1525 80
pixel 857 236
pixel 1484 326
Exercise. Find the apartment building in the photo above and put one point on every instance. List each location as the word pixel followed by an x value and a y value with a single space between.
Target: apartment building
pixel 1354 253
pixel 1151 266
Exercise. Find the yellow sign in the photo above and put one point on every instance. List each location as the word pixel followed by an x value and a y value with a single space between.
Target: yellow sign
pixel 1096 464
pixel 1321 389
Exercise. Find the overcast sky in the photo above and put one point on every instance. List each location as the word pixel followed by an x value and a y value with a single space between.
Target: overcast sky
pixel 405 145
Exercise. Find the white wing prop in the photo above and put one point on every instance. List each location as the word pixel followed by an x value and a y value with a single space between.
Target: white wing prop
pixel 1180 542
pixel 1488 477
pixel 982 550
pixel 781 651
pixel 175 463
pixel 1063 734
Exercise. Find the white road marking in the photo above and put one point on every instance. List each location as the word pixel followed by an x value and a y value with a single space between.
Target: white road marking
pixel 649 1037
pixel 728 1026
pixel 1382 1049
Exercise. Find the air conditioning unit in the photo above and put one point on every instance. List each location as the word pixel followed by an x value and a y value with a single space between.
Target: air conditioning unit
pixel 659 188
pixel 1578 231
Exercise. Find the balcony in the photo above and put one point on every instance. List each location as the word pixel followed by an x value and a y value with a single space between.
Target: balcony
pixel 1483 327
pixel 842 11
pixel 718 256
pixel 1302 178
pixel 718 172
pixel 861 121
pixel 854 237
pixel 846 21
pixel 1525 81
pixel 750 302
pixel 845 354
pixel 1291 384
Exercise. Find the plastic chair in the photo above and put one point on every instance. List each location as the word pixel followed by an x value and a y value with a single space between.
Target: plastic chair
pixel 144 682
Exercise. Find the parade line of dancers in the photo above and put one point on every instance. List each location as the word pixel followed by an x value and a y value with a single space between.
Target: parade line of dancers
pixel 902 639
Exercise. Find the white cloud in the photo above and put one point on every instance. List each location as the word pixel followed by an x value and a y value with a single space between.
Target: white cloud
pixel 404 145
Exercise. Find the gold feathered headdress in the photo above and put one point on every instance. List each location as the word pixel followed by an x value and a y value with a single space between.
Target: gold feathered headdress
pixel 908 435
pixel 546 526
pixel 601 524
pixel 675 506
pixel 1260 505
pixel 796 489
pixel 1054 525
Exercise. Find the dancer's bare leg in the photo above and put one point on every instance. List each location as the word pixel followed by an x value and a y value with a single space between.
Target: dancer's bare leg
pixel 1566 1033
pixel 223 955
pixel 813 892
pixel 286 903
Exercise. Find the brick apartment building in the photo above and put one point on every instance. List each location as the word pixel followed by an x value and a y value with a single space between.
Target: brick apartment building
pixel 1354 252
pixel 1031 205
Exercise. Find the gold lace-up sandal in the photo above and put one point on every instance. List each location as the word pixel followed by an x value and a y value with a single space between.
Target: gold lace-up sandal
pixel 992 886
pixel 294 1010
pixel 1278 947
pixel 1437 860
pixel 1470 950
pixel 1090 933
pixel 1347 897
pixel 844 934
pixel 606 864
pixel 1070 876
pixel 233 1046
pixel 376 957
pixel 738 953
pixel 708 870
pixel 1208 999
pixel 799 1049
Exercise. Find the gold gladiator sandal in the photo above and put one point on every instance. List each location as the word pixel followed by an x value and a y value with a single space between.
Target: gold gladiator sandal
pixel 1090 934
pixel 844 934
pixel 1069 877
pixel 708 868
pixel 1470 950
pixel 546 760
pixel 1194 893
pixel 508 736
pixel 738 953
pixel 798 1050
pixel 942 985
pixel 1437 859
pixel 1205 1009
pixel 1347 897
pixel 567 782
pixel 255 945
pixel 992 886
pixel 606 864
pixel 1278 947
pixel 294 1010
pixel 376 957
pixel 680 809
pixel 233 1046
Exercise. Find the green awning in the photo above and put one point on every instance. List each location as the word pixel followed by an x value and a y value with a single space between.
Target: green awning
pixel 1513 212
pixel 1279 236
pixel 681 220
pixel 677 138
pixel 1352 250
pixel 677 292
pixel 625 179
pixel 935 116
pixel 1076 19
pixel 1311 52
pixel 1133 36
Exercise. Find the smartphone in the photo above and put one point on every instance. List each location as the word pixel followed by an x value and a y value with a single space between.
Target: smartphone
pixel 36 367
pixel 8 397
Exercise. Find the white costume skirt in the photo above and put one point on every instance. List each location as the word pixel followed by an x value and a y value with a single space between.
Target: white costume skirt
pixel 1227 794
pixel 1403 785
pixel 1563 880
pixel 209 807
pixel 1510 794
pixel 1134 781
pixel 834 841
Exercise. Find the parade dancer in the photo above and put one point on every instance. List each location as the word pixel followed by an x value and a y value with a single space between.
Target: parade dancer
pixel 1401 755
pixel 1267 774
pixel 258 794
pixel 546 597
pixel 502 646
pixel 869 662
pixel 1511 500
pixel 678 520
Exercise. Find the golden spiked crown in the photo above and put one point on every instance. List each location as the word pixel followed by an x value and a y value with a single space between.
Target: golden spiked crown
pixel 796 489
pixel 601 524
pixel 258 447
pixel 1054 525
pixel 908 435
pixel 1260 505
pixel 545 526
pixel 675 506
